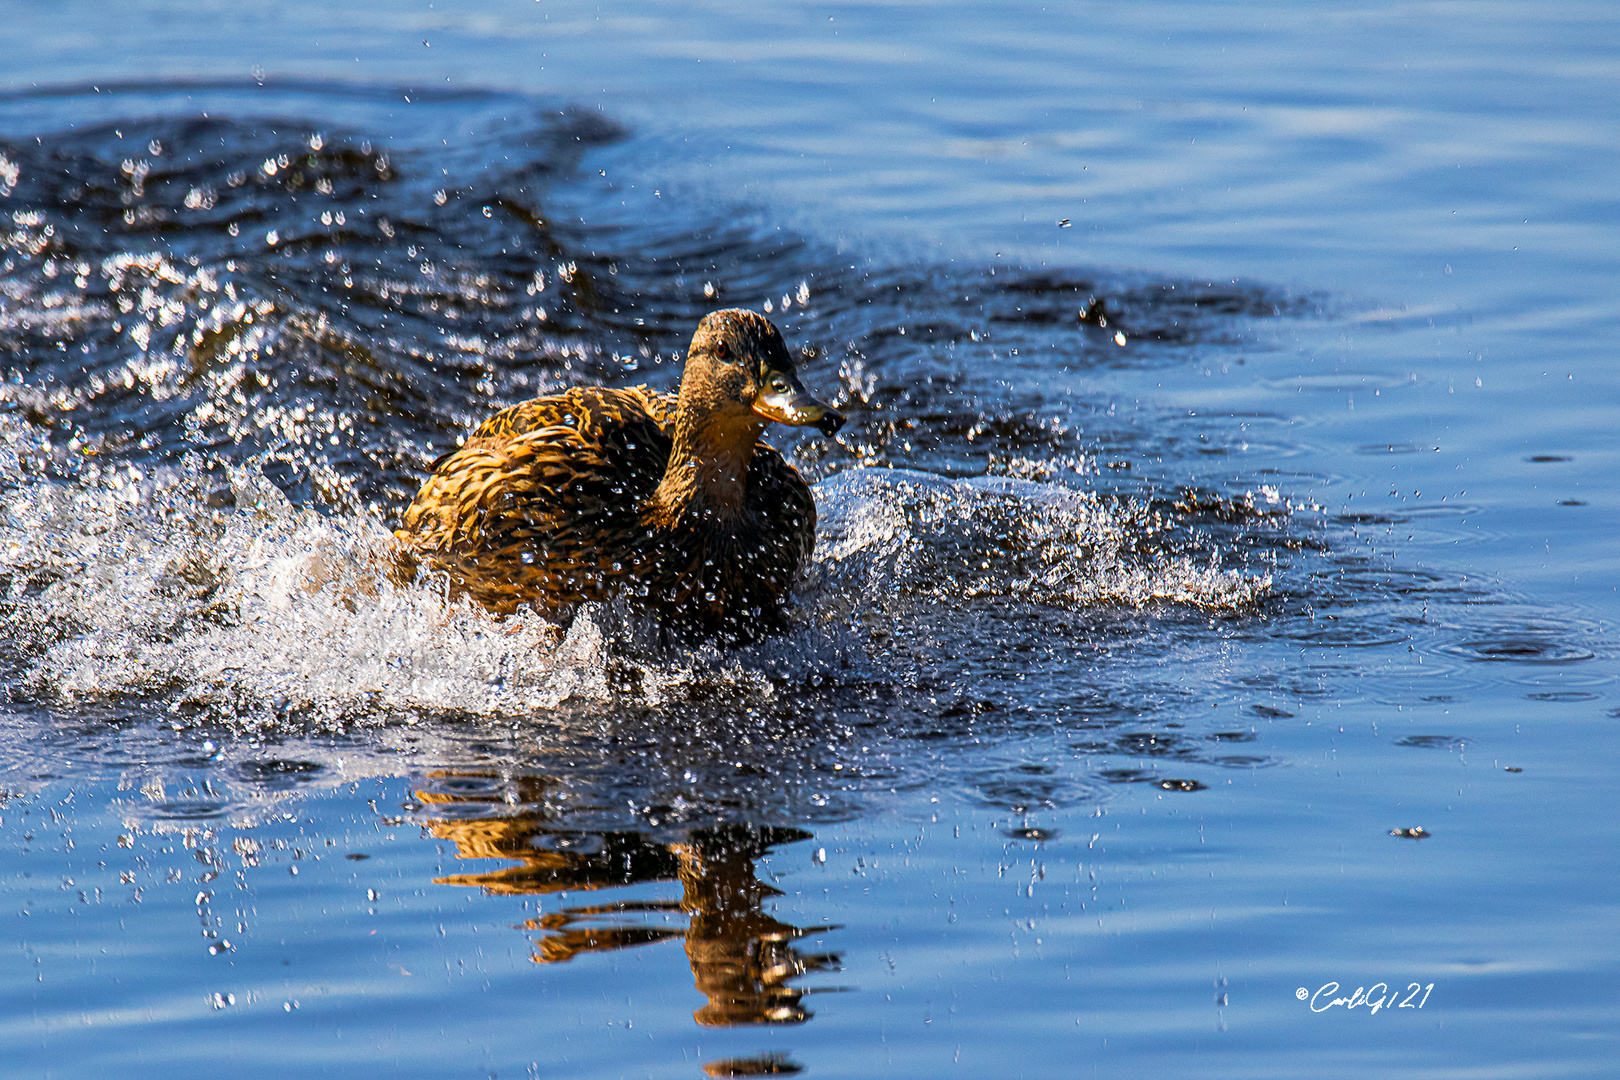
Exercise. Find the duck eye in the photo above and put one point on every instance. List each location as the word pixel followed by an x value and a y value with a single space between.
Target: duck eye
pixel 779 385
pixel 722 350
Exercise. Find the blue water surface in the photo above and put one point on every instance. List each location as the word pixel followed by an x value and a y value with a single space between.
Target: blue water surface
pixel 1029 812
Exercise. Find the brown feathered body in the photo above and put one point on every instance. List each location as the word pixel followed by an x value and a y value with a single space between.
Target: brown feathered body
pixel 598 493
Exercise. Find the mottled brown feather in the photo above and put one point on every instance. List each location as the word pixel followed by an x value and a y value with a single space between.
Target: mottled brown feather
pixel 550 503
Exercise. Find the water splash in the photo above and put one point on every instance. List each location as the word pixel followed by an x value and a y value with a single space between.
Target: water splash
pixel 225 598
pixel 894 529
pixel 207 587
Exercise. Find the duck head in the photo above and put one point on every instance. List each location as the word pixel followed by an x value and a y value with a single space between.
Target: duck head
pixel 738 367
pixel 738 379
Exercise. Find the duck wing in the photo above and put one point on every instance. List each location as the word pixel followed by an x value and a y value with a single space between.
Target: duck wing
pixel 605 407
pixel 541 505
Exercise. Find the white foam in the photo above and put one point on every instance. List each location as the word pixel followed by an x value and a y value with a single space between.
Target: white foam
pixel 124 583
pixel 893 529
pixel 262 608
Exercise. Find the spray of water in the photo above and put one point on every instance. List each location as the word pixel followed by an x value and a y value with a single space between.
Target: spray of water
pixel 204 586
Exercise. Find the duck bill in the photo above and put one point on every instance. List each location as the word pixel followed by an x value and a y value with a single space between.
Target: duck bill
pixel 795 407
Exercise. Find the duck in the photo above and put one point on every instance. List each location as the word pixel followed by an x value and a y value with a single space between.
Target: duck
pixel 670 501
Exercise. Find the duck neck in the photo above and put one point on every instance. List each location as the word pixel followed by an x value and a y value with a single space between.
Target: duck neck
pixel 708 464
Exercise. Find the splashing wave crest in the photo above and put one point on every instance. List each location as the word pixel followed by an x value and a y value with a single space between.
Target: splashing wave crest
pixel 209 589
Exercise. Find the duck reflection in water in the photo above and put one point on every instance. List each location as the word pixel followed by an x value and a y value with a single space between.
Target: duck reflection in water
pixel 742 958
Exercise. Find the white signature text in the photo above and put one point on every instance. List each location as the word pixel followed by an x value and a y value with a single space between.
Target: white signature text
pixel 1373 998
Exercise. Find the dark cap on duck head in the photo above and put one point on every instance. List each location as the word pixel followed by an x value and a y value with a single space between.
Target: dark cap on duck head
pixel 754 344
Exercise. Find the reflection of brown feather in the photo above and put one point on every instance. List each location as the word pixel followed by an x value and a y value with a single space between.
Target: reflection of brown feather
pixel 624 858
pixel 563 947
pixel 743 959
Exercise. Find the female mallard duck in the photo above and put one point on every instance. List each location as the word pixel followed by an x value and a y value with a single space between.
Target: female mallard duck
pixel 671 501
